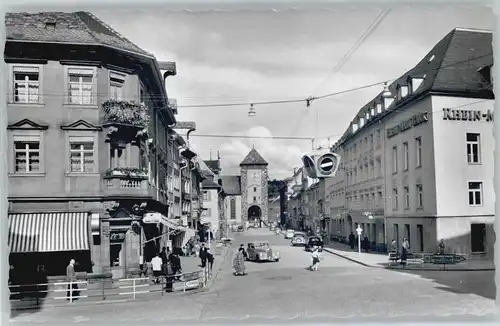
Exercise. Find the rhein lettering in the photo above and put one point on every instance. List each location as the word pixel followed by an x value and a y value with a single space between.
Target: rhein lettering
pixel 467 115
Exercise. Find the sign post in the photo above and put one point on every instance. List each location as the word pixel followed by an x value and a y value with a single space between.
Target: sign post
pixel 359 230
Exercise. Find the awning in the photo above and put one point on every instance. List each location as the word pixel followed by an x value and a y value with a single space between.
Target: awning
pixel 172 224
pixel 48 232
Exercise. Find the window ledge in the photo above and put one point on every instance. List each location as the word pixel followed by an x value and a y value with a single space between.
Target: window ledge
pixel 474 163
pixel 81 174
pixel 81 106
pixel 33 105
pixel 23 175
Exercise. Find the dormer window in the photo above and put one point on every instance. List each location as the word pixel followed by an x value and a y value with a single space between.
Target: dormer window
pixel 416 82
pixel 361 122
pixel 354 128
pixel 367 115
pixel 379 108
pixel 403 91
pixel 372 111
pixel 431 58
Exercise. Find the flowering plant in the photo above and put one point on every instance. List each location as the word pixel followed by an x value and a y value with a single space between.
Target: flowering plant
pixel 129 172
pixel 126 112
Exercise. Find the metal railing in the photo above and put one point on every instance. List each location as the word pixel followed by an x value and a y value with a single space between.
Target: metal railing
pixel 26 296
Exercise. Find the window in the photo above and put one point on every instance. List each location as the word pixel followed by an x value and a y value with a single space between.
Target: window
pixel 406 156
pixel 407 196
pixel 26 84
pixel 395 198
pixel 379 198
pixel 420 237
pixel 407 233
pixel 116 82
pixel 418 149
pixel 81 154
pixel 478 237
pixel 233 208
pixel 394 159
pixel 472 148
pixel 207 212
pixel 27 154
pixel 475 193
pixel 206 196
pixel 81 86
pixel 254 198
pixel 420 196
pixel 254 189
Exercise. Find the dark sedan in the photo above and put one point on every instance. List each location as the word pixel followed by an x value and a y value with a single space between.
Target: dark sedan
pixel 314 241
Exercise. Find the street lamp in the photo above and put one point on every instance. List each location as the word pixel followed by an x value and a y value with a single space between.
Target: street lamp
pixel 251 112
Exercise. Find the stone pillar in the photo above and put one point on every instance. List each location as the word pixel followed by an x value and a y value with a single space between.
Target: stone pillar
pixel 132 252
pixel 104 248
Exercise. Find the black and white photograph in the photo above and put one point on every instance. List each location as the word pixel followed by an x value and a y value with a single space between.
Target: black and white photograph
pixel 169 164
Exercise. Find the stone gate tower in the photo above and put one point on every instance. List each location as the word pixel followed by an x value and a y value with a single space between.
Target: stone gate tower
pixel 254 192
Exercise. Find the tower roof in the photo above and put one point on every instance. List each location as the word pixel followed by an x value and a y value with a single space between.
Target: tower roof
pixel 253 158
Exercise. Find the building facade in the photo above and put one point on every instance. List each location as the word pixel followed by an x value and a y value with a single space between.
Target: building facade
pixel 231 185
pixel 418 161
pixel 87 126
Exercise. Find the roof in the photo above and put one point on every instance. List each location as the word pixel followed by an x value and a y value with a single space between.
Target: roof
pixel 204 168
pixel 213 165
pixel 73 27
pixel 253 158
pixel 453 66
pixel 209 184
pixel 231 184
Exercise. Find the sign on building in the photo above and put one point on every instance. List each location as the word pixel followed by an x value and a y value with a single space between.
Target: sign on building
pixel 414 121
pixel 468 115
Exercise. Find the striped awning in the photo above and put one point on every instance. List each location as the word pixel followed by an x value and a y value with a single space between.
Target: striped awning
pixel 48 232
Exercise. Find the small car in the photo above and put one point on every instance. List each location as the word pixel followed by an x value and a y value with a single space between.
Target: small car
pixel 314 241
pixel 261 251
pixel 289 234
pixel 272 228
pixel 299 239
pixel 240 228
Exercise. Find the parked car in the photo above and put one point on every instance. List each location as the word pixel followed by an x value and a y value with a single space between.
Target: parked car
pixel 299 239
pixel 272 228
pixel 314 241
pixel 289 234
pixel 241 228
pixel 261 251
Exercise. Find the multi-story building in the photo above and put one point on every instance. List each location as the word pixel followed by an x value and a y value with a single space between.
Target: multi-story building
pixel 88 117
pixel 211 189
pixel 231 185
pixel 421 153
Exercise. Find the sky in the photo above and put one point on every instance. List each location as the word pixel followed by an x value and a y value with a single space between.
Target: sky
pixel 246 56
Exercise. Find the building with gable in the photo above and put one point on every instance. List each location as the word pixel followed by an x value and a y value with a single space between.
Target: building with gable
pixel 417 160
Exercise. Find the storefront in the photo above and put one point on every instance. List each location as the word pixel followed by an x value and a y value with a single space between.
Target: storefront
pixel 51 240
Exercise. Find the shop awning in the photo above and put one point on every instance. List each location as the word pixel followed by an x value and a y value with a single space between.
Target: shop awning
pixel 171 224
pixel 48 232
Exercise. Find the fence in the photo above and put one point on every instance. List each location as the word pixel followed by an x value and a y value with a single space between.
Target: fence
pixel 28 296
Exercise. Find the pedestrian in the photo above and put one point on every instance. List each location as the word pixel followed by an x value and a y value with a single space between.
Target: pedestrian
pixel 441 247
pixel 72 293
pixel 404 251
pixel 394 246
pixel 210 259
pixel 169 276
pixel 157 263
pixel 315 259
pixel 352 239
pixel 164 253
pixel 203 255
pixel 141 266
pixel 366 244
pixel 239 263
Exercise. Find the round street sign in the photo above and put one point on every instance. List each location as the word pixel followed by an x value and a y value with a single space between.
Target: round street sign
pixel 359 230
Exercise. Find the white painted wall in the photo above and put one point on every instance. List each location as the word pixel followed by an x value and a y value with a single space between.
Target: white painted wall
pixel 211 214
pixel 227 206
pixel 452 170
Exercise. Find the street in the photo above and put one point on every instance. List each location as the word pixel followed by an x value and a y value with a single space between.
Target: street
pixel 285 289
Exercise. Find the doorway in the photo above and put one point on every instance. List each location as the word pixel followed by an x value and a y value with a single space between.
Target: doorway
pixel 478 238
pixel 255 215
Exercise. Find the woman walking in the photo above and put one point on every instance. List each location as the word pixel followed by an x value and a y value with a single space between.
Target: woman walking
pixel 239 262
pixel 315 259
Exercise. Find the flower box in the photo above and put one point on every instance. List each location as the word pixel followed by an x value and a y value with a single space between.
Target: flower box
pixel 126 112
pixel 134 173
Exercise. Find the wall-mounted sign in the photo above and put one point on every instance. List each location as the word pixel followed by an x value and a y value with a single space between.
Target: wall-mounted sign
pixel 468 115
pixel 117 236
pixel 152 218
pixel 408 124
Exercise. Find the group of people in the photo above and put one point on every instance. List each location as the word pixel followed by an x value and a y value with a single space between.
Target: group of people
pixel 206 255
pixel 405 246
pixel 167 264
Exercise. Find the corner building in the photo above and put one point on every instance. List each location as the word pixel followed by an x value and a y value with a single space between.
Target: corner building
pixel 436 146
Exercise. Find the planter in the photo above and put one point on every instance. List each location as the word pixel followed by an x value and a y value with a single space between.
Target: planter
pixel 126 113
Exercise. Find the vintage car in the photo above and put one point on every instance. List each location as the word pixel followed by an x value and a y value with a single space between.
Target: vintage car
pixel 289 234
pixel 299 239
pixel 240 228
pixel 314 241
pixel 261 251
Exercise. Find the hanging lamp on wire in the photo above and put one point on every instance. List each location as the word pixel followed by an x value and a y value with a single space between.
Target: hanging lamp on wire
pixel 251 112
pixel 387 93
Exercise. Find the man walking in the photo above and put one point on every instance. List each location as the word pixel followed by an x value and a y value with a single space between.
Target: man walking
pixel 157 263
pixel 71 277
pixel 203 255
pixel 210 259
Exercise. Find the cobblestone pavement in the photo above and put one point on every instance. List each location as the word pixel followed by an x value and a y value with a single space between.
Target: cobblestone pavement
pixel 286 290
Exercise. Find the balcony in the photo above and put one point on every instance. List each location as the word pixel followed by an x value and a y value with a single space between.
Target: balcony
pixel 130 182
pixel 124 120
